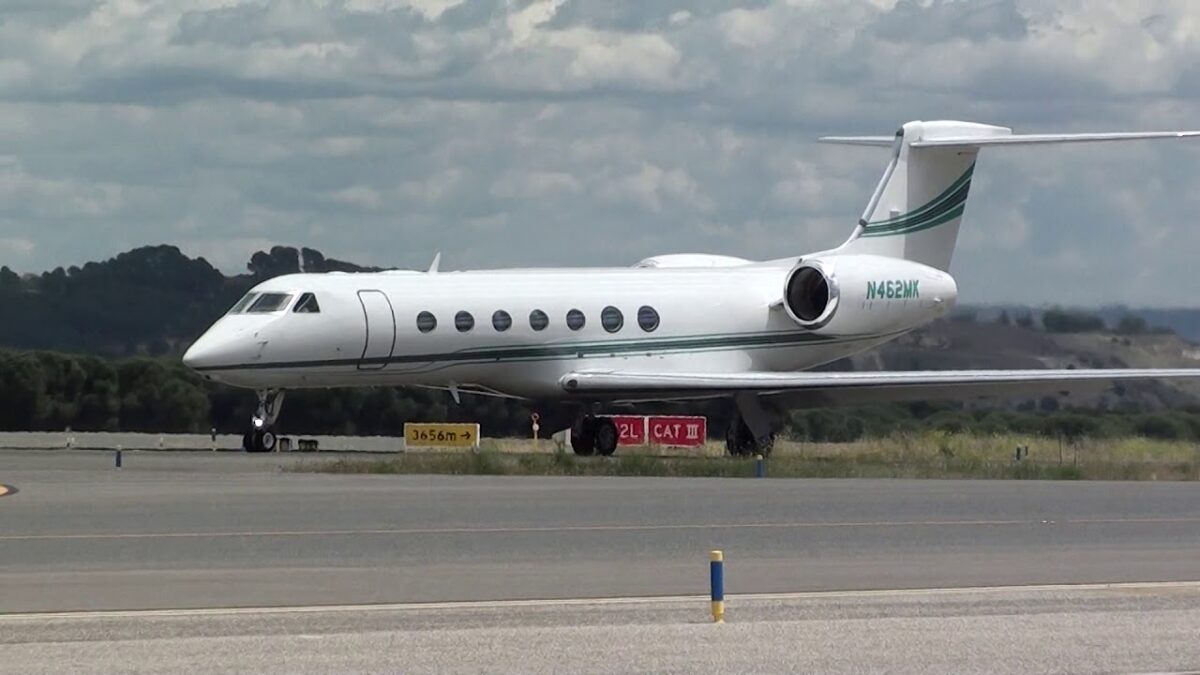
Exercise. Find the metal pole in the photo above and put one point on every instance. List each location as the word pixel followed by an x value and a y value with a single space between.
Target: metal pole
pixel 716 574
pixel 118 458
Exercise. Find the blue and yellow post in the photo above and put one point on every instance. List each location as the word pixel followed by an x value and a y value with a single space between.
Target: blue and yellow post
pixel 716 575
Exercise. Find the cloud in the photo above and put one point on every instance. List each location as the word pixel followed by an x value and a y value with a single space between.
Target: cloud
pixel 513 132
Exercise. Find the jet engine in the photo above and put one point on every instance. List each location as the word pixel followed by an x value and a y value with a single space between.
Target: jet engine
pixel 865 294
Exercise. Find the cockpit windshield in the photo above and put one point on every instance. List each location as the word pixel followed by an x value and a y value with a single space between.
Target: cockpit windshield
pixel 269 302
pixel 307 304
pixel 243 303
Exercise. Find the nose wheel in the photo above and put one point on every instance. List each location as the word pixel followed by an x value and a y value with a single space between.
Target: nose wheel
pixel 261 435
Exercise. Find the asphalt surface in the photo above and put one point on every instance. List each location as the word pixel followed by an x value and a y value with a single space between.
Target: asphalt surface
pixel 184 530
pixel 107 570
pixel 1121 629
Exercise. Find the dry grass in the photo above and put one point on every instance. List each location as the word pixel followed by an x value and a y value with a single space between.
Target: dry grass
pixel 928 455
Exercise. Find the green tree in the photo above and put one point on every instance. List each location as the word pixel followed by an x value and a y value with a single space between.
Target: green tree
pixel 23 400
pixel 1070 427
pixel 9 280
pixel 1131 325
pixel 1064 321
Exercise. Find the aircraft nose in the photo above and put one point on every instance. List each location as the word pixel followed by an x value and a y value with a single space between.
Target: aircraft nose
pixel 200 353
pixel 228 343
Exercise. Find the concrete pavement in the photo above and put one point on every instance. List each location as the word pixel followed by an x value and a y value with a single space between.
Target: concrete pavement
pixel 1140 628
pixel 217 530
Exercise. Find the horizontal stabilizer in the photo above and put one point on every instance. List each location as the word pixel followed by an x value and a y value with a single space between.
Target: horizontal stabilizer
pixel 878 141
pixel 861 387
pixel 979 141
pixel 1032 139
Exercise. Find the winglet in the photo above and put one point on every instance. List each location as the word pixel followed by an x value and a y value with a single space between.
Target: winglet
pixel 437 260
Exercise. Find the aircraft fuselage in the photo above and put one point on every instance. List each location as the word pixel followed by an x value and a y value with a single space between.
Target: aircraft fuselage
pixel 375 329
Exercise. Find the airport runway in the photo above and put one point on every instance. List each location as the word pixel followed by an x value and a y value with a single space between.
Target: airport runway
pixel 172 530
pixel 1144 628
pixel 104 569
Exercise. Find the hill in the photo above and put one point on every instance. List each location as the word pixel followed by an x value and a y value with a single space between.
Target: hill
pixel 152 300
pixel 967 345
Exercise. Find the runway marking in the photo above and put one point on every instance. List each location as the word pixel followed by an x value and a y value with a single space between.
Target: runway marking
pixel 598 602
pixel 590 528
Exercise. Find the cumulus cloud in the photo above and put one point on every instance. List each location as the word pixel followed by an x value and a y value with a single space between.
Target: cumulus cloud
pixel 525 131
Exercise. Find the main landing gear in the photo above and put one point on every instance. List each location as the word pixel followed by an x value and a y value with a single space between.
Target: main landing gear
pixel 260 437
pixel 594 435
pixel 749 431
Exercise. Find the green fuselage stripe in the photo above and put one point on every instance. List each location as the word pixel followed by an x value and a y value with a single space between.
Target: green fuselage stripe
pixel 568 350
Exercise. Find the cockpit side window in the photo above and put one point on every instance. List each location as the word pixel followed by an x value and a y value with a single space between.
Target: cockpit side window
pixel 269 302
pixel 307 304
pixel 243 303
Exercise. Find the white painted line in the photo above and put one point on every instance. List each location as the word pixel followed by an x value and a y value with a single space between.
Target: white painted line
pixel 592 528
pixel 598 602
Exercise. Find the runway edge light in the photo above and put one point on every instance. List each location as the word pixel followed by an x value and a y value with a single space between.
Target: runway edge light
pixel 716 575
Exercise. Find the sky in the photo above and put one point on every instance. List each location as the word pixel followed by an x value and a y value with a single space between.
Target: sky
pixel 568 132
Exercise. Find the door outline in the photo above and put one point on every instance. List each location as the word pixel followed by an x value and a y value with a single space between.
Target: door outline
pixel 362 365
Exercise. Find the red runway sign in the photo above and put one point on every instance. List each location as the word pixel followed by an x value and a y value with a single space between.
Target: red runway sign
pixel 677 430
pixel 631 429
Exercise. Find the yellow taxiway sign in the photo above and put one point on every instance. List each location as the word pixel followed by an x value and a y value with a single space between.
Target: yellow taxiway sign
pixel 440 435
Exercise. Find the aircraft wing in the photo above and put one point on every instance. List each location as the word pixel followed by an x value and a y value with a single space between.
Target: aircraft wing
pixel 809 388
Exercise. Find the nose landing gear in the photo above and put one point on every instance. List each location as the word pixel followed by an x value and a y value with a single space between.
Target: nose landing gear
pixel 260 437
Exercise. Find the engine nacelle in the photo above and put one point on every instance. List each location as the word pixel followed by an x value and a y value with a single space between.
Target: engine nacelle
pixel 866 294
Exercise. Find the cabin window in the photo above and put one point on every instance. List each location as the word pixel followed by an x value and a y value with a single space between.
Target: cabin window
pixel 464 322
pixel 538 320
pixel 612 319
pixel 269 302
pixel 647 318
pixel 575 319
pixel 307 304
pixel 243 303
pixel 501 320
pixel 426 322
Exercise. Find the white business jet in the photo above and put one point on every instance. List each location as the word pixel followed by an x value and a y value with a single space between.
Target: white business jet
pixel 672 327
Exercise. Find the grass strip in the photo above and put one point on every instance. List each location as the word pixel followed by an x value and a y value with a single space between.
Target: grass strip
pixel 494 463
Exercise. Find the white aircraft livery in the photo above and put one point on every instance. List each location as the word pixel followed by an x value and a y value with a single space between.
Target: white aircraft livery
pixel 672 327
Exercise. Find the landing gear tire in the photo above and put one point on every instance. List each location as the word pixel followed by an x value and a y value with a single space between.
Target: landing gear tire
pixel 260 438
pixel 583 436
pixel 740 441
pixel 606 437
pixel 593 435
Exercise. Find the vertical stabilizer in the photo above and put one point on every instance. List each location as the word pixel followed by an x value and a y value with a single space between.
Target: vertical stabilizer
pixel 916 211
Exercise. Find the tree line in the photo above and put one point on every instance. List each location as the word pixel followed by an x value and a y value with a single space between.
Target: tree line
pixel 51 391
pixel 155 300
pixel 151 301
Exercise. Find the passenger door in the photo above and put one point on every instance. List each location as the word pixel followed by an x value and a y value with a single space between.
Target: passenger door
pixel 380 323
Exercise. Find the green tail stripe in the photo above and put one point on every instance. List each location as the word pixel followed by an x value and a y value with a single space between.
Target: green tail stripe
pixel 932 204
pixel 957 200
pixel 950 215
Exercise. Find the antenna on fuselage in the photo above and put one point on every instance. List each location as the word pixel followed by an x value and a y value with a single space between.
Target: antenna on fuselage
pixel 437 260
